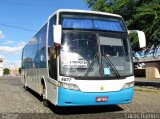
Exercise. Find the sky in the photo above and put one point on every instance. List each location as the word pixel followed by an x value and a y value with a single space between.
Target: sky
pixel 19 21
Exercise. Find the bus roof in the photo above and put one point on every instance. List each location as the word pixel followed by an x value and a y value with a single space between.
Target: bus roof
pixel 85 11
pixel 76 11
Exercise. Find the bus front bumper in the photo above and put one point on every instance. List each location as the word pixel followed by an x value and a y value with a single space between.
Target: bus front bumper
pixel 68 97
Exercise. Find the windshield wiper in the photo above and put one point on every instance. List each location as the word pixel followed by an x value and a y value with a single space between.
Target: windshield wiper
pixel 107 61
pixel 90 67
pixel 113 68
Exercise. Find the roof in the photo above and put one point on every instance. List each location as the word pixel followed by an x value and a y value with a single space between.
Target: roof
pixel 85 11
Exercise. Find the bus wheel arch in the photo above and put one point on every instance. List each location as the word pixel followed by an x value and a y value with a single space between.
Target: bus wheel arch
pixel 25 83
pixel 44 93
pixel 42 86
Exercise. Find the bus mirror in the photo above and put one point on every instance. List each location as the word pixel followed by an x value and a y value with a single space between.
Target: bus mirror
pixel 141 37
pixel 57 33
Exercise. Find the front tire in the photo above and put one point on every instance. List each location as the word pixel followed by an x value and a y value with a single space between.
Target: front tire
pixel 45 102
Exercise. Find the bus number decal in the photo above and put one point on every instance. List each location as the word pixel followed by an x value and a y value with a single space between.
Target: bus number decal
pixel 66 79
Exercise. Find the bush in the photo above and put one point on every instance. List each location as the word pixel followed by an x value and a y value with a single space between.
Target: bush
pixel 6 71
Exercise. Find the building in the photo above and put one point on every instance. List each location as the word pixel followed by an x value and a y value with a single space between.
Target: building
pixel 1 67
pixel 14 71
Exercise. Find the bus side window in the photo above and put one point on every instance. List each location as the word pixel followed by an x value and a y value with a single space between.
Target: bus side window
pixel 52 61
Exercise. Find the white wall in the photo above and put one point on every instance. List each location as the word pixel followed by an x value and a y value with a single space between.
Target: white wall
pixel 1 72
pixel 1 67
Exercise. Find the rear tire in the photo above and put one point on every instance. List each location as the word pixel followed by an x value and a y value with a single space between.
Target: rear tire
pixel 26 88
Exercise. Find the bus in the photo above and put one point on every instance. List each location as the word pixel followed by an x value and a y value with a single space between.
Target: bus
pixel 81 58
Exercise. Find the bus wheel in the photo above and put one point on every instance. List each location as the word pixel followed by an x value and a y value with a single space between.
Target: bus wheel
pixel 45 101
pixel 26 88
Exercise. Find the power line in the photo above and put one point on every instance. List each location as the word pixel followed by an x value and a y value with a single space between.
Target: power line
pixel 22 4
pixel 17 27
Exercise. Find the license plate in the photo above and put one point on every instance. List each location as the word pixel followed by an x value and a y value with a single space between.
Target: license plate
pixel 102 99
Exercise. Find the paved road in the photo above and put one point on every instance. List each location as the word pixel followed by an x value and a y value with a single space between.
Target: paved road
pixel 15 103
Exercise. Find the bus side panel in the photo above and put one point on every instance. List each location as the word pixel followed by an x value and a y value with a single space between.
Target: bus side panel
pixel 42 74
pixel 22 76
pixel 33 78
pixel 52 91
pixel 29 80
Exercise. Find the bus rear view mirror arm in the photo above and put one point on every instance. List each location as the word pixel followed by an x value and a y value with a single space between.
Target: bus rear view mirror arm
pixel 141 37
pixel 57 33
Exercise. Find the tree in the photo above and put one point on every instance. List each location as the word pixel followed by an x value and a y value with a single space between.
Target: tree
pixel 138 14
pixel 147 18
pixel 19 70
pixel 114 6
pixel 6 71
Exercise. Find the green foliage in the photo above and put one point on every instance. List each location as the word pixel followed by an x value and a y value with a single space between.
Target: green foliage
pixel 138 14
pixel 147 18
pixel 19 70
pixel 134 41
pixel 6 71
pixel 99 5
pixel 123 7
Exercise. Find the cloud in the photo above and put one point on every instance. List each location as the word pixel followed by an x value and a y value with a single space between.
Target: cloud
pixel 8 49
pixel 12 63
pixel 15 50
pixel 1 56
pixel 22 43
pixel 9 42
pixel 1 35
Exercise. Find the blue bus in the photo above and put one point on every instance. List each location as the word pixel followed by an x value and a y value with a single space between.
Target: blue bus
pixel 80 58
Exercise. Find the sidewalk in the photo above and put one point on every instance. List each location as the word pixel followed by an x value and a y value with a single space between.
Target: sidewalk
pixel 142 81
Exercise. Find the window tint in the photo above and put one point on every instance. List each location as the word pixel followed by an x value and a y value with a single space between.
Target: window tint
pixel 92 22
pixel 42 47
pixel 52 22
pixel 34 53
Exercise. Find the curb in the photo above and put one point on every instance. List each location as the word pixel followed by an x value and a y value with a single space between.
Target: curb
pixel 144 83
pixel 147 90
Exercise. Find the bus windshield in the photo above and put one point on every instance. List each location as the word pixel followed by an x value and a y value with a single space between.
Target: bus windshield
pixel 80 48
pixel 94 46
pixel 77 51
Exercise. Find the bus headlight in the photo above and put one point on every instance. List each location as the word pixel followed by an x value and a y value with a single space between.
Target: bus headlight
pixel 70 86
pixel 128 85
